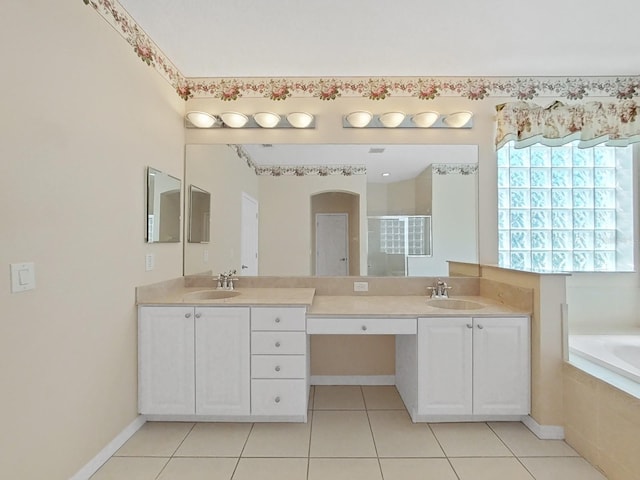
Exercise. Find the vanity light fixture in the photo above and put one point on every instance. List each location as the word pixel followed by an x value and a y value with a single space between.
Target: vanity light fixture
pixel 300 119
pixel 359 119
pixel 234 119
pixel 391 119
pixel 457 119
pixel 395 119
pixel 201 119
pixel 425 119
pixel 266 119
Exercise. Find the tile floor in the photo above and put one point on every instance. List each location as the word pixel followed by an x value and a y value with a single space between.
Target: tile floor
pixel 353 433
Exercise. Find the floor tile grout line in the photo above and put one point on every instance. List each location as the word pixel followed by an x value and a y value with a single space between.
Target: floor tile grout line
pixel 443 450
pixel 174 452
pixel 246 440
pixel 509 448
pixel 373 438
pixel 313 402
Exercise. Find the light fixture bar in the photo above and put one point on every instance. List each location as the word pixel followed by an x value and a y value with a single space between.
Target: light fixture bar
pixel 407 122
pixel 284 122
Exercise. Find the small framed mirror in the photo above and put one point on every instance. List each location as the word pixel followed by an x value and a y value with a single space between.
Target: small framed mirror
pixel 199 215
pixel 163 207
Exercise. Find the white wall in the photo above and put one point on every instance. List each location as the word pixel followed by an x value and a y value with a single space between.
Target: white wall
pixel 218 170
pixel 82 117
pixel 285 220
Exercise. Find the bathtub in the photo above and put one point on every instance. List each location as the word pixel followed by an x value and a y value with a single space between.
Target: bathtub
pixel 618 353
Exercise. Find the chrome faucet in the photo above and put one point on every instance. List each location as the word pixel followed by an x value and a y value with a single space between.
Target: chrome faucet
pixel 225 280
pixel 440 290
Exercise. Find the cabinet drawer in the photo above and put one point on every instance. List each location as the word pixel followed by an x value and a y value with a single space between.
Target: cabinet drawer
pixel 366 326
pixel 271 318
pixel 279 343
pixel 278 366
pixel 278 397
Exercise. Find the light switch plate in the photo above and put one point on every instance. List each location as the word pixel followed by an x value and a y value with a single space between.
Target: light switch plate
pixel 23 277
pixel 149 262
pixel 360 286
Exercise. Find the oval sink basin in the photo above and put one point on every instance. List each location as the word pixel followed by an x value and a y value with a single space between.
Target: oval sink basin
pixel 210 295
pixel 454 304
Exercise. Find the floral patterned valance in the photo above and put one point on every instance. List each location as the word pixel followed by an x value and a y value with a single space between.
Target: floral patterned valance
pixel 590 123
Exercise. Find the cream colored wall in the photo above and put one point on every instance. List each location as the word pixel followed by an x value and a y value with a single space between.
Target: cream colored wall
pixel 285 220
pixel 424 192
pixel 82 118
pixel 453 223
pixel 218 170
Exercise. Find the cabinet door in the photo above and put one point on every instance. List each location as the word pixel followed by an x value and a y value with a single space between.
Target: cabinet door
pixel 444 366
pixel 222 361
pixel 501 379
pixel 165 360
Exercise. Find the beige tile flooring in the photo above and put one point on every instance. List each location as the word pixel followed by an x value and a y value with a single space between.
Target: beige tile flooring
pixel 353 433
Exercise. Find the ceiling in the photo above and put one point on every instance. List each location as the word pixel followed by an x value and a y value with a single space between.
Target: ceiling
pixel 371 38
pixel 401 161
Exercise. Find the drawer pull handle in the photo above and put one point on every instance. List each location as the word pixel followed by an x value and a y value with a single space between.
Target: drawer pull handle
pixel 480 327
pixel 277 399
pixel 198 315
pixel 277 319
pixel 277 344
pixel 469 325
pixel 187 315
pixel 364 328
pixel 277 368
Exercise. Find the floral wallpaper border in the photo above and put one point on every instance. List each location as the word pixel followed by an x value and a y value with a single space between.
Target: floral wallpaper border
pixel 423 88
pixel 454 168
pixel 298 170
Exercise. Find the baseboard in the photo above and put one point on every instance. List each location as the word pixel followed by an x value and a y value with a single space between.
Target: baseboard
pixel 107 452
pixel 352 380
pixel 543 432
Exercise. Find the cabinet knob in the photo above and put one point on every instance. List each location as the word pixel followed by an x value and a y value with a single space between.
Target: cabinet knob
pixel 277 319
pixel 277 368
pixel 480 327
pixel 364 328
pixel 277 344
pixel 187 315
pixel 198 315
pixel 469 325
pixel 277 400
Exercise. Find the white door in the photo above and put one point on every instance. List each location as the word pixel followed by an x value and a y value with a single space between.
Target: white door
pixel 222 361
pixel 444 366
pixel 249 236
pixel 501 378
pixel 332 244
pixel 166 360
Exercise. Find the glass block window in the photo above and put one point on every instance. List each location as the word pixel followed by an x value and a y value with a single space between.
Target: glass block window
pixel 565 208
pixel 400 234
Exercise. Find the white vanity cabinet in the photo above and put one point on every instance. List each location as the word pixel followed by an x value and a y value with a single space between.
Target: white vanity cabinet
pixel 193 360
pixel 279 362
pixel 473 366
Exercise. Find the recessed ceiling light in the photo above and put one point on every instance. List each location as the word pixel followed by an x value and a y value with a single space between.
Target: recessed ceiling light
pixel 386 174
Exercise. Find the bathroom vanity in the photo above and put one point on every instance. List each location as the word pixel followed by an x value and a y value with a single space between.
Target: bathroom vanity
pixel 246 357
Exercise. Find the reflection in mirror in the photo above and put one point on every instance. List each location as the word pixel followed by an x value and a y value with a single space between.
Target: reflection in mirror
pixel 436 181
pixel 199 215
pixel 398 244
pixel 163 207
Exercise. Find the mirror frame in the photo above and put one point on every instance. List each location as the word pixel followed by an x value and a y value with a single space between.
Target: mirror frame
pixel 206 227
pixel 174 220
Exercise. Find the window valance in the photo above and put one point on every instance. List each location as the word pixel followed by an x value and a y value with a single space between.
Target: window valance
pixel 591 123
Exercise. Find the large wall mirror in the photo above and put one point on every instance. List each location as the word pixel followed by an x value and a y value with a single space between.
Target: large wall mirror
pixel 415 208
pixel 163 207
